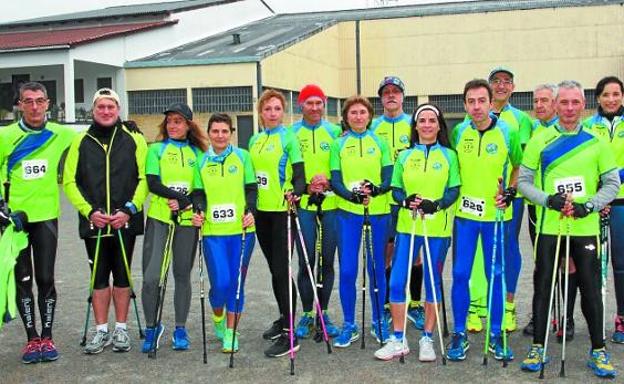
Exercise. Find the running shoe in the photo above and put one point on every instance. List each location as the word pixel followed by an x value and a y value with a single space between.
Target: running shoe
pixel 497 347
pixel 121 340
pixel 31 353
pixel 100 340
pixel 152 336
pixel 600 364
pixel 384 331
pixel 569 331
pixel 456 351
pixel 473 323
pixel 349 334
pixel 48 350
pixel 510 317
pixel 417 316
pixel 332 330
pixel 274 331
pixel 219 326
pixel 281 346
pixel 228 337
pixel 529 328
pixel 306 323
pixel 618 335
pixel 426 352
pixel 533 362
pixel 393 348
pixel 180 340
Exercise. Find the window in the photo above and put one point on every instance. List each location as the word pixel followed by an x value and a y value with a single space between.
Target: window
pixel 332 106
pixel 79 90
pixel 223 99
pixel 590 99
pixel 522 100
pixel 104 82
pixel 448 103
pixel 154 101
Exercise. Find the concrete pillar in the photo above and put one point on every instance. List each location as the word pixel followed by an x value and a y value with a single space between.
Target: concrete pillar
pixel 68 82
pixel 119 85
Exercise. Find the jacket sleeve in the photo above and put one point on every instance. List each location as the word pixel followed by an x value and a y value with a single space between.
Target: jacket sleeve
pixel 140 193
pixel 70 186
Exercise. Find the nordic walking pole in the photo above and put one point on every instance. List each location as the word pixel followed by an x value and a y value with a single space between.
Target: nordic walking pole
pixel 446 330
pixel 129 276
pixel 504 285
pixel 565 297
pixel 202 300
pixel 498 218
pixel 490 292
pixel 291 315
pixel 92 284
pixel 369 249
pixel 239 284
pixel 551 297
pixel 162 287
pixel 410 261
pixel 433 286
pixel 604 263
pixel 363 342
pixel 318 249
pixel 304 251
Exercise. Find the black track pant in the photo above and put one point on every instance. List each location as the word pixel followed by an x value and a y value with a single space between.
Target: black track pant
pixel 584 252
pixel 41 252
pixel 272 235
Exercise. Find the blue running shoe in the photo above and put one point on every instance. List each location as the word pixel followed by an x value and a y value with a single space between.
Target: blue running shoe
pixel 349 334
pixel 180 341
pixel 384 331
pixel 456 351
pixel 618 335
pixel 306 323
pixel 48 350
pixel 533 361
pixel 31 353
pixel 151 336
pixel 498 348
pixel 417 316
pixel 600 364
pixel 332 330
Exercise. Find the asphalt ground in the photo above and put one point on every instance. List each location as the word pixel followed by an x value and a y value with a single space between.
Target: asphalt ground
pixel 313 364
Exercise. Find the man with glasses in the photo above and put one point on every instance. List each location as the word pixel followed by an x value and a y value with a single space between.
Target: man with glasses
pixel 30 152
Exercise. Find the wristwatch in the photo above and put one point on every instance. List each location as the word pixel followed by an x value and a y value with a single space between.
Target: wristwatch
pixel 589 206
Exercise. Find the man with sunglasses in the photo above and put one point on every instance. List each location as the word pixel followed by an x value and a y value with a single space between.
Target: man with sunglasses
pixel 30 152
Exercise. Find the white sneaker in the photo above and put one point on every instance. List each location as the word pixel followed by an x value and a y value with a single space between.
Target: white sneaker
pixel 121 340
pixel 100 341
pixel 426 352
pixel 393 348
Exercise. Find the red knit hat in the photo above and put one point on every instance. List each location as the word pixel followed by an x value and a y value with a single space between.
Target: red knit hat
pixel 309 91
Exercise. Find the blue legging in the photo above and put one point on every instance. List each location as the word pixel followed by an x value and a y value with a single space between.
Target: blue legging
pixel 328 251
pixel 465 234
pixel 617 255
pixel 349 241
pixel 398 277
pixel 222 255
pixel 513 263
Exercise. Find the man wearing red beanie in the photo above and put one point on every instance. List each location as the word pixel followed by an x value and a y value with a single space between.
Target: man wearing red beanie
pixel 318 208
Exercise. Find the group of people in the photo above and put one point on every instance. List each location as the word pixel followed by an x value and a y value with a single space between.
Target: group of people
pixel 396 190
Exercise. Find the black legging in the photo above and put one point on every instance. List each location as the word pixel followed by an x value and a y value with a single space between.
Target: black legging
pixel 583 250
pixel 272 236
pixel 41 251
pixel 110 259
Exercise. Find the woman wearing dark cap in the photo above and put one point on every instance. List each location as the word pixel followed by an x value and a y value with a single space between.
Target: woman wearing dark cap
pixel 170 172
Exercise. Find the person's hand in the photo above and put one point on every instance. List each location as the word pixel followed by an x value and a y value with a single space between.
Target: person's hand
pixel 410 202
pixel 557 201
pixel 370 189
pixel 248 220
pixel 321 180
pixel 99 219
pixel 291 197
pixel 428 207
pixel 198 219
pixel 173 205
pixel 119 219
pixel 505 198
pixel 606 211
pixel 579 210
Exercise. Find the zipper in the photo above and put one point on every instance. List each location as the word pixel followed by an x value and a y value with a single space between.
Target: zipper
pixel 393 142
pixel 361 153
pixel 263 144
pixel 313 141
pixel 107 154
pixel 222 168
pixel 426 157
pixel 480 137
pixel 182 156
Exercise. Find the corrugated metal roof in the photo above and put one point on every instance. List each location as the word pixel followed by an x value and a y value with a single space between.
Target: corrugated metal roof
pixel 265 37
pixel 121 11
pixel 65 38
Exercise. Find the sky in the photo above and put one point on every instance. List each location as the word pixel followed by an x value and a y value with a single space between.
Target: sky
pixel 16 10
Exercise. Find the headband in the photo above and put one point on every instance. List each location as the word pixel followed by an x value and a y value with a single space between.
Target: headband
pixel 424 108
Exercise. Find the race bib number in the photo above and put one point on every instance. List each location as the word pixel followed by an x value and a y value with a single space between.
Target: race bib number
pixel 180 187
pixel 262 178
pixel 223 213
pixel 472 206
pixel 574 185
pixel 34 169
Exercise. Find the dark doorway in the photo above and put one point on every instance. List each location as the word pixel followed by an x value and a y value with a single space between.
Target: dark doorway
pixel 245 130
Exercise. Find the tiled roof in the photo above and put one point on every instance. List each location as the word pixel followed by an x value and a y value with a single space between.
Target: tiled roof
pixel 71 37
